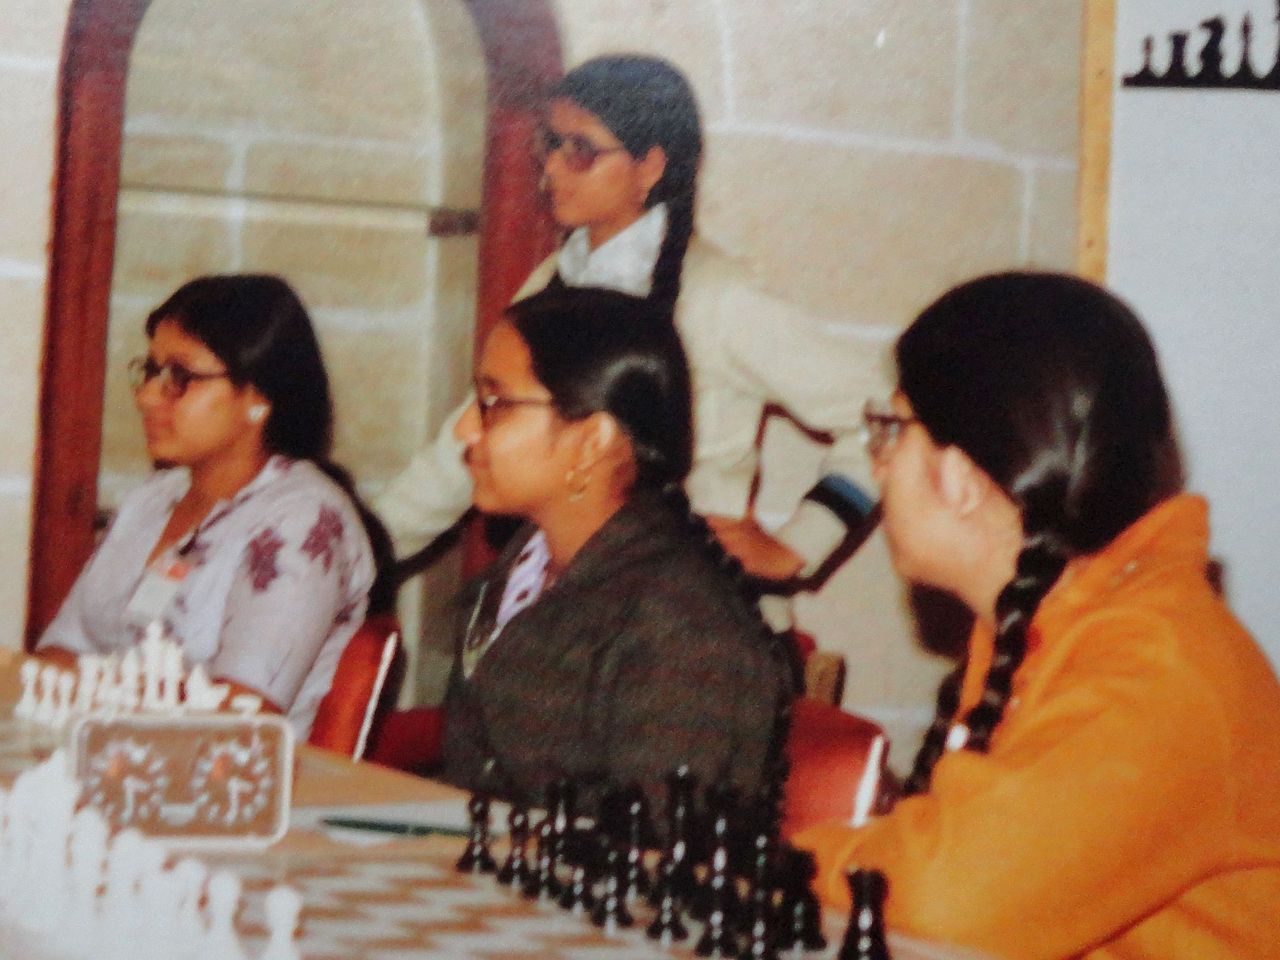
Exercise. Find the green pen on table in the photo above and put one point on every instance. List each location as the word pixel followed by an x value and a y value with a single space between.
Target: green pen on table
pixel 398 827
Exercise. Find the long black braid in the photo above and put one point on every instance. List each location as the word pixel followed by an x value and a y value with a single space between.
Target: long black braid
pixel 1051 386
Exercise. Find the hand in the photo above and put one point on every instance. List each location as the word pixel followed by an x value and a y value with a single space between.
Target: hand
pixel 761 554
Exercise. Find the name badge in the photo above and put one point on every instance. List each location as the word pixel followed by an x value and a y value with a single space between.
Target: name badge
pixel 156 591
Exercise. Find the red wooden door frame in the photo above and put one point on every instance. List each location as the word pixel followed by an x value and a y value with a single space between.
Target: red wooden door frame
pixel 522 55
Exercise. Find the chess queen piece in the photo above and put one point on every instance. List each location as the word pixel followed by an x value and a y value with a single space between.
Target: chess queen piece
pixel 864 939
pixel 476 857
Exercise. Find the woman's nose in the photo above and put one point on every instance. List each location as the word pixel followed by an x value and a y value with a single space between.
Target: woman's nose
pixel 149 395
pixel 468 429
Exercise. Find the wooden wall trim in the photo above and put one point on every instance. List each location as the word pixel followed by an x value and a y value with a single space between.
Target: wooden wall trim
pixel 1096 97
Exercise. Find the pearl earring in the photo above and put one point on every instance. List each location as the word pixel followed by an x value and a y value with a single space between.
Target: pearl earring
pixel 257 413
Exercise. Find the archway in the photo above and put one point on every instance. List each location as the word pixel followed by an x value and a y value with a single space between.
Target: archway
pixel 522 55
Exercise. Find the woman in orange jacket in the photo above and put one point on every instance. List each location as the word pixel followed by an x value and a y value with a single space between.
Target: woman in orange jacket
pixel 1101 776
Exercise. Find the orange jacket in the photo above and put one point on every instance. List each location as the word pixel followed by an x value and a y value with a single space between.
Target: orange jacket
pixel 1129 806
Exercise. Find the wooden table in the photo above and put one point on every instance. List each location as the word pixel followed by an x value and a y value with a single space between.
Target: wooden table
pixel 402 899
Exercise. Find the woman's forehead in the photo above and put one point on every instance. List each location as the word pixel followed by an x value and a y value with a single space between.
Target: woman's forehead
pixel 505 358
pixel 171 340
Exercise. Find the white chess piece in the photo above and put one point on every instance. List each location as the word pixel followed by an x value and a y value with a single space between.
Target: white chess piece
pixel 282 907
pixel 129 675
pixel 246 704
pixel 44 703
pixel 62 704
pixel 28 674
pixel 203 695
pixel 222 941
pixel 89 668
pixel 152 648
pixel 171 677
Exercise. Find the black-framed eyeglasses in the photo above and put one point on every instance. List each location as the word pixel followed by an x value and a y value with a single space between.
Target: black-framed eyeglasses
pixel 492 403
pixel 578 152
pixel 881 427
pixel 174 377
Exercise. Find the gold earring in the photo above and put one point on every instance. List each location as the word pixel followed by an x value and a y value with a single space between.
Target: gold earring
pixel 257 413
pixel 577 487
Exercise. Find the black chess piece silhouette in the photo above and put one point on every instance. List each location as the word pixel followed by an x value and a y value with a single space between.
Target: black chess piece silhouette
pixel 1245 75
pixel 800 915
pixel 1145 76
pixel 476 857
pixel 1210 72
pixel 864 939
pixel 1272 78
pixel 718 895
pixel 543 884
pixel 611 911
pixel 636 881
pixel 676 866
pixel 1176 75
pixel 667 926
pixel 759 925
pixel 515 871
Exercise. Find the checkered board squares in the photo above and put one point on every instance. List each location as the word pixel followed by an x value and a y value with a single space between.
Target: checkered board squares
pixel 389 905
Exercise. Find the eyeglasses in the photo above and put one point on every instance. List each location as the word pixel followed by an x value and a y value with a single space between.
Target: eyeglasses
pixel 881 427
pixel 489 404
pixel 579 153
pixel 174 377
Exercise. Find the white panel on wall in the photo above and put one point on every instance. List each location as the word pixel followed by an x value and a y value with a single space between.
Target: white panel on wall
pixel 1194 232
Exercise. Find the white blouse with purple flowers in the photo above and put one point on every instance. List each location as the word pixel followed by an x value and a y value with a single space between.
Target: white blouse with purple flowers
pixel 269 587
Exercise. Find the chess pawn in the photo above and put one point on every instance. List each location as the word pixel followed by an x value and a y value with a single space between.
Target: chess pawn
pixel 515 872
pixel 28 673
pixel 864 939
pixel 667 927
pixel 476 857
pixel 89 668
pixel 171 677
pixel 576 896
pixel 282 907
pixel 62 702
pixel 222 941
pixel 543 884
pixel 130 671
pixel 44 703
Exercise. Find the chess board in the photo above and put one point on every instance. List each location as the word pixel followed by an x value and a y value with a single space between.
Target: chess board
pixel 405 901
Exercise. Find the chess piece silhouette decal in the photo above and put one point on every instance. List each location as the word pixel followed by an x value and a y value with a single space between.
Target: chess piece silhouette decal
pixel 1207 46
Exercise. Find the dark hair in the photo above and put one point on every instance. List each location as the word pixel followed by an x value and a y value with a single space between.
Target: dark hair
pixel 256 325
pixel 646 102
pixel 1049 384
pixel 602 351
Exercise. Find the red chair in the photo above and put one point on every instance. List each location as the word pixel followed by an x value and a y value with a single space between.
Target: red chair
pixel 360 690
pixel 837 763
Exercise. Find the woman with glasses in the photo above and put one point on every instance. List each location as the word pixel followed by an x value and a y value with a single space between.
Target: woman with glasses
pixel 610 643
pixel 1100 777
pixel 246 544
pixel 620 151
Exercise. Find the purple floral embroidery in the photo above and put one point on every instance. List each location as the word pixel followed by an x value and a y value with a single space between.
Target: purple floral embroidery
pixel 262 559
pixel 327 531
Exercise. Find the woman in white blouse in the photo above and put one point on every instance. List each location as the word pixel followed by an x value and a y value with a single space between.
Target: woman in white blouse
pixel 243 545
pixel 622 143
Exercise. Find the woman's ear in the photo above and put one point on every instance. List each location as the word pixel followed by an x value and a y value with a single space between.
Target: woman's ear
pixel 961 482
pixel 599 440
pixel 650 169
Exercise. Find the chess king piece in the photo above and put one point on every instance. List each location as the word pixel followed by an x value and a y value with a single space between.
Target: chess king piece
pixel 864 939
pixel 476 857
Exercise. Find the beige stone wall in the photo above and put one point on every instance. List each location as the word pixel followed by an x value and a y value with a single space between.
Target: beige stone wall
pixel 323 169
pixel 863 157
pixel 30 45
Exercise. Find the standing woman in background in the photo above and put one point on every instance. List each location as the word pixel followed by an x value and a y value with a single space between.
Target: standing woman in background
pixel 621 147
pixel 247 544
pixel 1100 779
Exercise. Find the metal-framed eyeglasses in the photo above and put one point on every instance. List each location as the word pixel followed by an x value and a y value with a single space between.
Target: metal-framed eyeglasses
pixel 492 404
pixel 578 152
pixel 882 426
pixel 174 377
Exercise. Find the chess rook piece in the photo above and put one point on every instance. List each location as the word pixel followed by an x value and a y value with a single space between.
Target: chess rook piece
pixel 476 857
pixel 515 871
pixel 800 916
pixel 864 939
